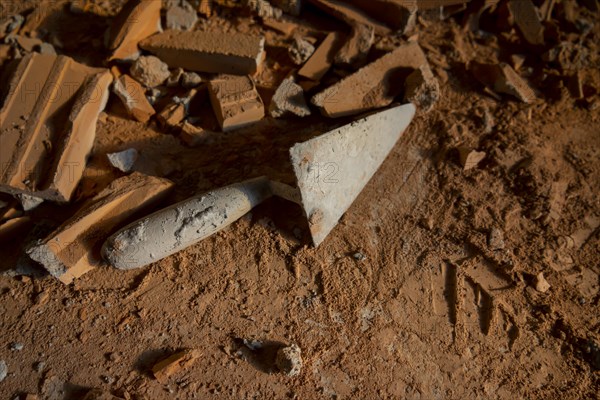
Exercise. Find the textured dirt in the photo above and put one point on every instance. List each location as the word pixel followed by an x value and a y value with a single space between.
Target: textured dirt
pixel 425 290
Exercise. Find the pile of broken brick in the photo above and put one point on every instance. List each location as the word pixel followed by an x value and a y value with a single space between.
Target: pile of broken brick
pixel 51 103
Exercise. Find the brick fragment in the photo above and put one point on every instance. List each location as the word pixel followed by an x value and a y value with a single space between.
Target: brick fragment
pixel 470 158
pixel 137 20
pixel 235 101
pixel 215 52
pixel 527 20
pixel 422 89
pixel 300 50
pixel 288 99
pixel 399 15
pixel 132 95
pixel 373 86
pixel 194 136
pixel 280 26
pixel 13 228
pixel 354 52
pixel 322 59
pixel 73 248
pixel 48 125
pixel 503 79
pixel 351 14
pixel 168 367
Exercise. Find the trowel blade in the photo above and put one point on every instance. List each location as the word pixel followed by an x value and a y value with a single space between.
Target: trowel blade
pixel 332 169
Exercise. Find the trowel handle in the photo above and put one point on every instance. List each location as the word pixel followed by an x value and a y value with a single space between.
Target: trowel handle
pixel 183 224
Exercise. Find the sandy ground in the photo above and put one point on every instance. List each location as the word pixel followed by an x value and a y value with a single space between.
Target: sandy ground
pixel 425 289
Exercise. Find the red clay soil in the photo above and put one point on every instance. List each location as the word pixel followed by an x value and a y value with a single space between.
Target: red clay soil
pixel 427 289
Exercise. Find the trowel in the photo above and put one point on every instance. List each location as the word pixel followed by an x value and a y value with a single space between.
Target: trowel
pixel 330 171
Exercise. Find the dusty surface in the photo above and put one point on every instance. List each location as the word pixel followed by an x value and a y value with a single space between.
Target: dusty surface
pixel 425 290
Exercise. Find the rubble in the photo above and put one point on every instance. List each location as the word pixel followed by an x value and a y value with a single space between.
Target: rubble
pixel 300 50
pixel 132 95
pixel 137 20
pixel 123 160
pixel 351 14
pixel 215 52
pixel 14 227
pixel 288 99
pixel 168 367
pixel 180 15
pixel 373 86
pixel 469 158
pixel 527 20
pixel 541 284
pixel 262 8
pixel 422 89
pixel 193 136
pixel 10 25
pixel 289 360
pixel 292 7
pixel 354 52
pixel 46 95
pixel 401 16
pixel 28 203
pixel 175 77
pixel 171 115
pixel 235 101
pixel 73 248
pixel 503 79
pixel 280 26
pixel 150 71
pixel 190 80
pixel 322 59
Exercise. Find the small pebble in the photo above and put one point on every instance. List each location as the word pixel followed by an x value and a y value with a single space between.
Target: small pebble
pixel 541 285
pixel 16 346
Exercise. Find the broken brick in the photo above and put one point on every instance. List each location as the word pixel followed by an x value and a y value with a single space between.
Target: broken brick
pixel 137 20
pixel 168 367
pixel 132 95
pixel 503 79
pixel 235 101
pixel 469 158
pixel 48 125
pixel 300 50
pixel 354 52
pixel 292 7
pixel 215 52
pixel 527 20
pixel 288 99
pixel 73 249
pixel 171 115
pixel 422 89
pixel 280 26
pixel 351 14
pixel 401 16
pixel 373 86
pixel 194 136
pixel 14 227
pixel 322 59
